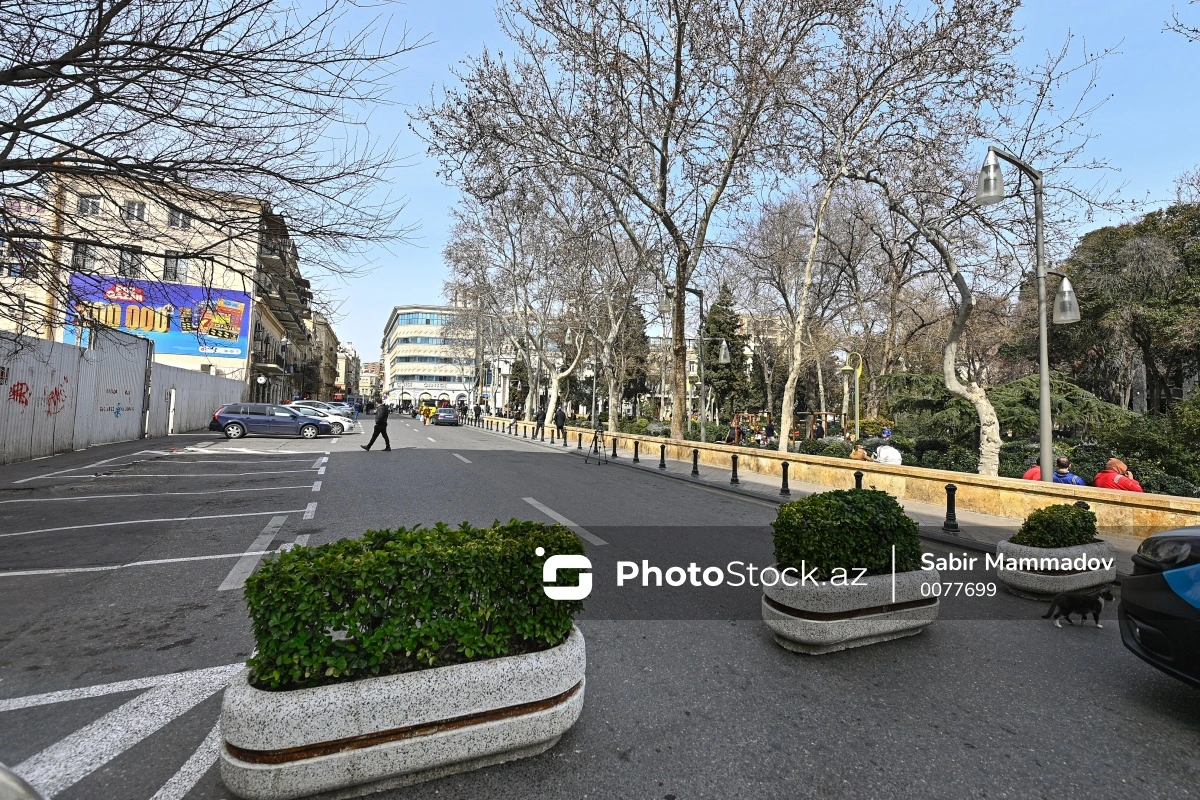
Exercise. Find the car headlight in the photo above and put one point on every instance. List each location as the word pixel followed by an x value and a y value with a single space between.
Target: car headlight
pixel 1165 550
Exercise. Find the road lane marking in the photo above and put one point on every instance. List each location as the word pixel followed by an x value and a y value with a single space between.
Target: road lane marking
pixel 430 438
pixel 199 474
pixel 316 486
pixel 77 469
pixel 319 462
pixel 311 511
pixel 102 689
pixel 66 762
pixel 193 769
pixel 227 461
pixel 333 441
pixel 460 458
pixel 159 519
pixel 321 471
pixel 113 567
pixel 236 578
pixel 146 494
pixel 302 540
pixel 583 533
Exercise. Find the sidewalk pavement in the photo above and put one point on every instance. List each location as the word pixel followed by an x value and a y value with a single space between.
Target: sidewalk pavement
pixel 982 530
pixel 47 470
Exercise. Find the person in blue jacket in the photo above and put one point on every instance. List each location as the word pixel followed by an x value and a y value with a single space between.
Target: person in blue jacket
pixel 1063 474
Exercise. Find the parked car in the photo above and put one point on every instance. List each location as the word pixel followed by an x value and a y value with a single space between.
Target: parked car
pixel 312 404
pixel 338 421
pixel 1160 604
pixel 14 787
pixel 446 416
pixel 236 420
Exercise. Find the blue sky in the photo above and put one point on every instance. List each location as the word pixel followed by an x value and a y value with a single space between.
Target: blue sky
pixel 1145 129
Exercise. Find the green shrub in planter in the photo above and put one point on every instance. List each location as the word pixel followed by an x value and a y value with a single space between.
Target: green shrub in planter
pixel 846 528
pixel 406 599
pixel 1057 526
pixel 838 448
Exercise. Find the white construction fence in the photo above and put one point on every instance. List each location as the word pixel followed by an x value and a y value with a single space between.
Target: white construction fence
pixel 58 397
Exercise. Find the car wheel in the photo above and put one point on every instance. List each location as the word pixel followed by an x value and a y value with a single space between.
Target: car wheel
pixel 309 431
pixel 234 431
pixel 337 428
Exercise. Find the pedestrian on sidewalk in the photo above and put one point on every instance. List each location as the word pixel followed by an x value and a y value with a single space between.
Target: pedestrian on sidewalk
pixel 381 417
pixel 560 422
pixel 1116 475
pixel 478 412
pixel 540 423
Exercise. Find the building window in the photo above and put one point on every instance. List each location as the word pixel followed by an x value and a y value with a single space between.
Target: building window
pixel 88 205
pixel 130 265
pixel 83 258
pixel 22 259
pixel 178 218
pixel 175 267
pixel 133 211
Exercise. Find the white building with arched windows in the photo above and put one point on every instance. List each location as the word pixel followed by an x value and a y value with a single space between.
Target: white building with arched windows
pixel 420 362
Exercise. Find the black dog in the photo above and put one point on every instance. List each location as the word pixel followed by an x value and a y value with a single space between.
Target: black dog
pixel 1082 603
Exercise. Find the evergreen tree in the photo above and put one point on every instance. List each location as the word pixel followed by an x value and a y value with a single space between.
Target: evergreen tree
pixel 728 382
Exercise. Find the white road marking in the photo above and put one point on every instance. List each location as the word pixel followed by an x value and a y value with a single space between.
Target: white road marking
pixel 78 755
pixel 77 469
pixel 561 520
pixel 145 494
pixel 236 578
pixel 193 769
pixel 460 458
pixel 311 511
pixel 262 452
pixel 102 689
pixel 430 438
pixel 159 519
pixel 321 471
pixel 302 540
pixel 200 474
pixel 227 461
pixel 316 486
pixel 320 461
pixel 333 441
pixel 150 563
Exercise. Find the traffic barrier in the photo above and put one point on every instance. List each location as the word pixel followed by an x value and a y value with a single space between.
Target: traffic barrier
pixel 579 445
pixel 858 479
pixel 784 489
pixel 695 461
pixel 734 479
pixel 662 456
pixel 552 436
pixel 614 454
pixel 950 525
pixel 635 450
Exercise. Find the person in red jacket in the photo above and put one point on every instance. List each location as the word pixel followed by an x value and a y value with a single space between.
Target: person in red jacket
pixel 1116 475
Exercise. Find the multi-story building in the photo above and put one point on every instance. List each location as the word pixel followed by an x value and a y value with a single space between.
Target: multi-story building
pixel 324 355
pixel 348 370
pixel 422 364
pixel 370 380
pixel 211 278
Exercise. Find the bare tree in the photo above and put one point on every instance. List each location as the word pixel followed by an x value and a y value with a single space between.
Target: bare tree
pixel 677 104
pixel 235 112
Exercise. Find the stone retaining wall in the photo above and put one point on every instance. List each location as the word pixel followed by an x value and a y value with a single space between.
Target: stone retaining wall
pixel 1127 514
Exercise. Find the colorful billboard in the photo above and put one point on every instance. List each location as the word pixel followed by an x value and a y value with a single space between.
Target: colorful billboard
pixel 179 318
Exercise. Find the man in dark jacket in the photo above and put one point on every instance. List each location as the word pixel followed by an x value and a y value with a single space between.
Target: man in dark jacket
pixel 381 415
pixel 540 423
pixel 560 422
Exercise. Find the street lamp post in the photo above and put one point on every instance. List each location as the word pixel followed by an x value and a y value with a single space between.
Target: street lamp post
pixel 846 370
pixel 988 190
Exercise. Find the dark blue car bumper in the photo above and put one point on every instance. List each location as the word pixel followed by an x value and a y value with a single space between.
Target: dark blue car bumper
pixel 1160 620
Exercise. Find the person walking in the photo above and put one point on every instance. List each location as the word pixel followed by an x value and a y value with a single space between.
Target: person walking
pixel 478 412
pixel 381 416
pixel 539 425
pixel 1116 475
pixel 358 407
pixel 560 422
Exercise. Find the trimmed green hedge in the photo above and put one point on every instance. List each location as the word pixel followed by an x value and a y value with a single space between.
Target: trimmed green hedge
pixel 846 528
pixel 1057 526
pixel 406 599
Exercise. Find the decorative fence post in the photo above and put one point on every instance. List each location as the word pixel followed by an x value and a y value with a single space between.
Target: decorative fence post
pixel 635 450
pixel 662 456
pixel 951 523
pixel 857 479
pixel 695 461
pixel 784 489
pixel 734 479
pixel 614 455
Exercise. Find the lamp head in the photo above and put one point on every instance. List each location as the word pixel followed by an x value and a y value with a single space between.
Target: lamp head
pixel 724 358
pixel 664 305
pixel 1066 305
pixel 989 187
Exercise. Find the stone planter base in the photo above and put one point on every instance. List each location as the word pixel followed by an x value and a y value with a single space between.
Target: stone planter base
pixel 1043 585
pixel 824 619
pixel 365 736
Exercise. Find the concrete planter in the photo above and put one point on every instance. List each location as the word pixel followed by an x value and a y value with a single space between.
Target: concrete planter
pixel 1041 584
pixel 365 736
pixel 822 619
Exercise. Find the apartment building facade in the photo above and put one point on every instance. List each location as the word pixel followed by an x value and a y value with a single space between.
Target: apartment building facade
pixel 421 363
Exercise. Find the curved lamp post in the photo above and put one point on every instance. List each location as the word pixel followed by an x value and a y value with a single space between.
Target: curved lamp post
pixel 990 189
pixel 846 369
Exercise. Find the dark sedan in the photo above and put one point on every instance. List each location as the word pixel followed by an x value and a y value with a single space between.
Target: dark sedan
pixel 446 416
pixel 239 419
pixel 1160 604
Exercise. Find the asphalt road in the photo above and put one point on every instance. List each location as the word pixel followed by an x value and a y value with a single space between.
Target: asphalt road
pixel 122 617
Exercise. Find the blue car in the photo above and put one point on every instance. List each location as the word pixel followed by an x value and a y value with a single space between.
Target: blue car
pixel 236 420
pixel 1160 604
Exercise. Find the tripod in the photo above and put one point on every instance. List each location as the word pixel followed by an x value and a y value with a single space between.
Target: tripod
pixel 598 448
